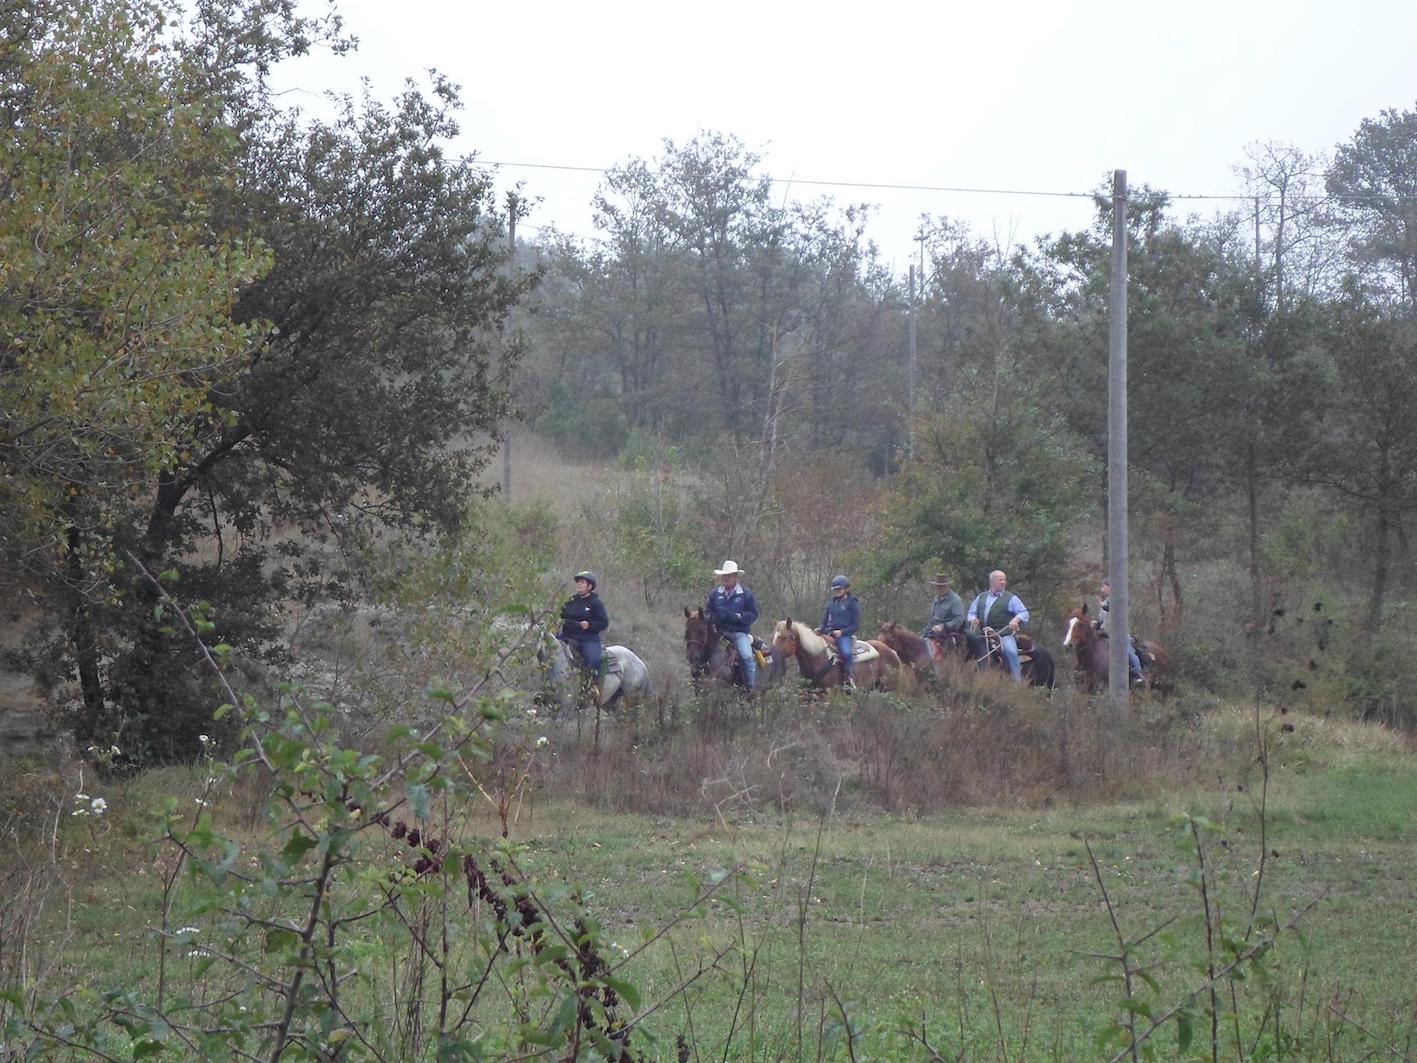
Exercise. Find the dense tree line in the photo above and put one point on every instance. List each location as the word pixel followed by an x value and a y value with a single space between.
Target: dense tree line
pixel 1271 358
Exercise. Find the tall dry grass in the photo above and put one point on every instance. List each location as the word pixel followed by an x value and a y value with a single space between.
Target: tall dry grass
pixel 980 742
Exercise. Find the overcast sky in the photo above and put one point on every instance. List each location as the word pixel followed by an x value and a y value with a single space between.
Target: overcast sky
pixel 1035 95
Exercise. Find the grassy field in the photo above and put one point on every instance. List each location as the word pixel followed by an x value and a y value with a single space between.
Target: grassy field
pixel 848 932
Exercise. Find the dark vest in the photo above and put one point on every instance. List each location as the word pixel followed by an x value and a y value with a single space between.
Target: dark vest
pixel 999 615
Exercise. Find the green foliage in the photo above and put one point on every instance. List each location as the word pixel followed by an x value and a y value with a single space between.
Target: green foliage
pixel 584 425
pixel 365 919
pixel 236 342
pixel 654 533
pixel 117 282
pixel 996 484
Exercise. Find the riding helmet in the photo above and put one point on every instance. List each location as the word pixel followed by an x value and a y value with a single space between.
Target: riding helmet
pixel 839 582
pixel 588 576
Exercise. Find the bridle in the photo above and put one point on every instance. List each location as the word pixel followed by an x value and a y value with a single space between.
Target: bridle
pixel 700 651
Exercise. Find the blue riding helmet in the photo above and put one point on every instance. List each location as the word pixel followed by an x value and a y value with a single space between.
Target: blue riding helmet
pixel 840 581
pixel 589 577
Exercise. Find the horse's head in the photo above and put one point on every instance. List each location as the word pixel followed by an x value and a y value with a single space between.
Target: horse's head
pixel 784 637
pixel 1079 628
pixel 890 634
pixel 699 636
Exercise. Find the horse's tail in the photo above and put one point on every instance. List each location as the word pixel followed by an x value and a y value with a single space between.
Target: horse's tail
pixel 1044 673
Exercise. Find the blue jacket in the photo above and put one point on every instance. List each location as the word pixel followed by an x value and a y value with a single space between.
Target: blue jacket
pixel 577 609
pixel 843 613
pixel 732 612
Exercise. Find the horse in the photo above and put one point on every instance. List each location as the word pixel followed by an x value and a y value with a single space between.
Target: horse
pixel 1035 663
pixel 712 656
pixel 877 666
pixel 1093 655
pixel 935 656
pixel 625 682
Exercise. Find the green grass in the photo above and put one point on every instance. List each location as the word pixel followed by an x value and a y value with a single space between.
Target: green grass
pixel 976 928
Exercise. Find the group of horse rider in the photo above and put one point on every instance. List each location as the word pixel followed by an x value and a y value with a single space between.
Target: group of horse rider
pixel 1005 614
pixel 733 609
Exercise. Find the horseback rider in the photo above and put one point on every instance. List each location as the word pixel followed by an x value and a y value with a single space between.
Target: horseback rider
pixel 733 609
pixel 839 623
pixel 998 609
pixel 1104 596
pixel 946 611
pixel 583 618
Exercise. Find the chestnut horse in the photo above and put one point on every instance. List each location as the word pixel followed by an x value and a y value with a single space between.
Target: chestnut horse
pixel 712 656
pixel 877 665
pixel 952 650
pixel 935 656
pixel 1093 654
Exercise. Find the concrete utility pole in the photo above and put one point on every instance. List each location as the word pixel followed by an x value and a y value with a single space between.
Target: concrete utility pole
pixel 511 266
pixel 1118 620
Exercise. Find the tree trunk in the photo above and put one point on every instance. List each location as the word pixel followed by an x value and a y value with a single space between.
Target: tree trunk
pixel 1172 622
pixel 1381 550
pixel 85 645
pixel 1252 495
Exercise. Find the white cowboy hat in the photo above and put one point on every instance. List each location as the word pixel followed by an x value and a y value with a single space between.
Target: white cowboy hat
pixel 730 568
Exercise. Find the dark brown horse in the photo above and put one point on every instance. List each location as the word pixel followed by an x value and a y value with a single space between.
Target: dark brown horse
pixel 953 650
pixel 712 656
pixel 878 667
pixel 1093 655
pixel 936 656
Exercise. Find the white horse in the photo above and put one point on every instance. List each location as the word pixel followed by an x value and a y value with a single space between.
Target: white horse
pixel 626 679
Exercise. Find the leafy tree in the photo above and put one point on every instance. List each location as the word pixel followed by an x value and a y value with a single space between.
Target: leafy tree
pixel 1367 454
pixel 998 481
pixel 350 389
pixel 1187 291
pixel 1373 182
pixel 117 283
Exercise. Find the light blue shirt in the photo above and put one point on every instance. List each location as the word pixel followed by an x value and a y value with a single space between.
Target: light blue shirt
pixel 1016 607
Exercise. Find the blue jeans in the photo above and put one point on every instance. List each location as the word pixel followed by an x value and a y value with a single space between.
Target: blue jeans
pixel 1008 646
pixel 846 646
pixel 1133 662
pixel 591 653
pixel 743 643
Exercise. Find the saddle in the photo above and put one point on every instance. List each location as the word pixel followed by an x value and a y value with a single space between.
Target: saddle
pixel 945 642
pixel 1143 650
pixel 861 652
pixel 1024 643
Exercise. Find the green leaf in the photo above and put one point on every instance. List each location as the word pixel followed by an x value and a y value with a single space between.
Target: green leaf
pixel 280 940
pixel 418 799
pixel 296 846
pixel 627 991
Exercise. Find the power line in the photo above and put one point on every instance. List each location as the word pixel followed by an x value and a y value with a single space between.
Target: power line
pixel 1245 197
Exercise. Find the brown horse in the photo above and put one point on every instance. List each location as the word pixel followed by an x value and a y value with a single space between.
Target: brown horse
pixel 1093 655
pixel 953 650
pixel 877 666
pixel 935 656
pixel 712 656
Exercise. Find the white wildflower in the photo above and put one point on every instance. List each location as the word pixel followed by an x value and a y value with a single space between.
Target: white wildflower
pixel 98 806
pixel 541 742
pixel 531 712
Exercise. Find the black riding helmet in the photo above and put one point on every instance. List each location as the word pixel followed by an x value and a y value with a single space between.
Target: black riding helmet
pixel 588 576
